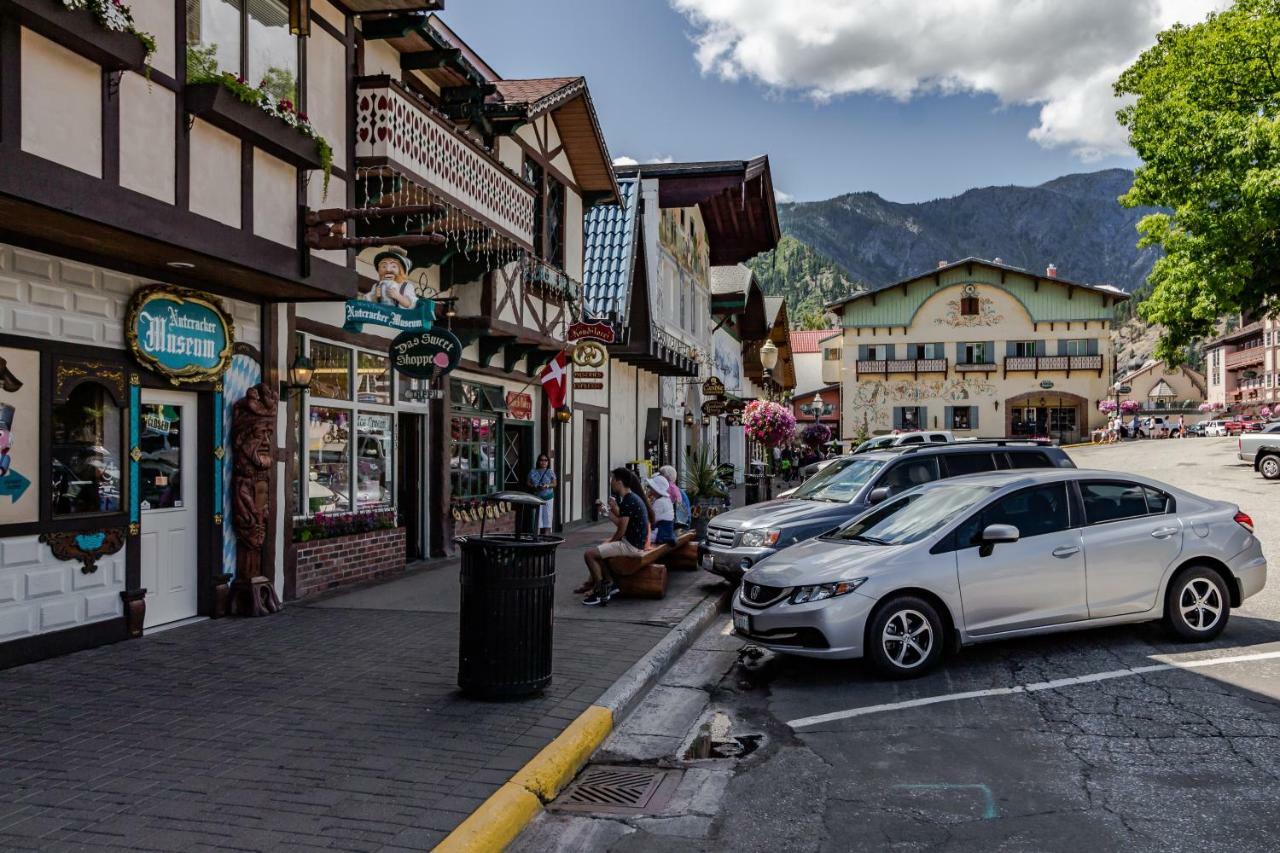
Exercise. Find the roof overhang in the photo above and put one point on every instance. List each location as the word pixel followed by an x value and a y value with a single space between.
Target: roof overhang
pixel 735 198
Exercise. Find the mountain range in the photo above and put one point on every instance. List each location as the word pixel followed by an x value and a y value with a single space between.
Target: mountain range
pixel 1075 222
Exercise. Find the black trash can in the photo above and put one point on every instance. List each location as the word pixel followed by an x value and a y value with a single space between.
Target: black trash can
pixel 508 607
pixel 751 491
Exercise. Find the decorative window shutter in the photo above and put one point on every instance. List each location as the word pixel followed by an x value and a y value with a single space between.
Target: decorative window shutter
pixel 1010 349
pixel 922 414
pixel 973 417
pixel 1092 346
pixel 949 416
pixel 862 352
pixel 989 351
pixel 1040 350
pixel 897 417
pixel 1062 347
pixel 959 352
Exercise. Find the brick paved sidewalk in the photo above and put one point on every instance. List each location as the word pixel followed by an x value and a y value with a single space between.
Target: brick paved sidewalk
pixel 335 726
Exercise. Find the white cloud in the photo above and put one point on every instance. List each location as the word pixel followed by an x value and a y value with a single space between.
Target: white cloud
pixel 625 161
pixel 782 197
pixel 1060 56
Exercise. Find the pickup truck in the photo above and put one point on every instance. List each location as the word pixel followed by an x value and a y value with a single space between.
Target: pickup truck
pixel 1262 450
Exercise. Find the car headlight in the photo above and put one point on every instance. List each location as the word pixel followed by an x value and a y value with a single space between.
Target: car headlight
pixel 760 538
pixel 818 592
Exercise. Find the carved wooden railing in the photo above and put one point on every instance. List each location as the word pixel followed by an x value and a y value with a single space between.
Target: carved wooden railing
pixel 902 365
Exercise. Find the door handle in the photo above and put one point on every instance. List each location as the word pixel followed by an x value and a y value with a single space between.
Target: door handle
pixel 1064 551
pixel 1163 532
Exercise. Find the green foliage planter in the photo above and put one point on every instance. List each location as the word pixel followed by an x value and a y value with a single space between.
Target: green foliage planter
pixel 99 30
pixel 229 104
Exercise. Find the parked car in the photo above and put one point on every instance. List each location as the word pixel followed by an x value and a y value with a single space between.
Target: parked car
pixel 905 439
pixel 741 538
pixel 1262 450
pixel 1214 428
pixel 1196 430
pixel 1004 554
pixel 1254 424
pixel 1233 426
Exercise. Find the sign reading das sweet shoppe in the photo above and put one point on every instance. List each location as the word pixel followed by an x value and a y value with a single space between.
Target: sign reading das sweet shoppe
pixel 179 333
pixel 426 354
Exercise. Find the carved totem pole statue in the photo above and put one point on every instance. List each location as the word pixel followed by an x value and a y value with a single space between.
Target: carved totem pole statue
pixel 253 441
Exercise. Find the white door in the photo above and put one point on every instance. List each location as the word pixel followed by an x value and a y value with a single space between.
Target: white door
pixel 167 438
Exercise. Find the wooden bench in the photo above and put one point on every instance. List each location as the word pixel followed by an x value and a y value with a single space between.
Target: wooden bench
pixel 645 576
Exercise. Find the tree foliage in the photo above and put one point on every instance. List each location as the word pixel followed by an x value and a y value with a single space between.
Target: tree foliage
pixel 1206 123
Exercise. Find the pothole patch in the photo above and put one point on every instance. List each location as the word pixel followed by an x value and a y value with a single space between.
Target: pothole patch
pixel 619 790
pixel 715 739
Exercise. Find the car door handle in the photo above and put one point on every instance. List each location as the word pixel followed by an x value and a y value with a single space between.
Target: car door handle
pixel 1163 532
pixel 1064 551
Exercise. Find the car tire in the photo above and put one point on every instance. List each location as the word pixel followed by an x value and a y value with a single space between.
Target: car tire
pixel 916 618
pixel 1269 467
pixel 1197 604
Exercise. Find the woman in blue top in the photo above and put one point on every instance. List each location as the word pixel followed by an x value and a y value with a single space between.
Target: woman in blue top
pixel 543 482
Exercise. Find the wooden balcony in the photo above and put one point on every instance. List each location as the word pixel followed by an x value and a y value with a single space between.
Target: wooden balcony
pixel 914 366
pixel 1041 363
pixel 1245 357
pixel 976 366
pixel 398 132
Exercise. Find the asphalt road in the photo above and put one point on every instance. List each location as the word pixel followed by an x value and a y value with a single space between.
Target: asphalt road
pixel 1172 757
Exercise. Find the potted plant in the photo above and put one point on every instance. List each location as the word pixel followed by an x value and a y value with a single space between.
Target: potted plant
pixel 701 482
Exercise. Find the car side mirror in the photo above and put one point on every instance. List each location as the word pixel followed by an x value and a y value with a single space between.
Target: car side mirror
pixel 996 534
pixel 878 495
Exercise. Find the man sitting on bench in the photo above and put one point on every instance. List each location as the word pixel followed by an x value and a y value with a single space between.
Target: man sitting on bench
pixel 630 516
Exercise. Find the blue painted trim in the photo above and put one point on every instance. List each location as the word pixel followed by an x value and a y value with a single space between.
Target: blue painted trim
pixel 135 413
pixel 219 457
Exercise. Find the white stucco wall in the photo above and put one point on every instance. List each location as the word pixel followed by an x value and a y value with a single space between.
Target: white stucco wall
pixel 66 129
pixel 215 174
pixel 147 138
pixel 275 199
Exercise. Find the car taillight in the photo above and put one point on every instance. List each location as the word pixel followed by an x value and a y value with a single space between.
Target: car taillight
pixel 1244 521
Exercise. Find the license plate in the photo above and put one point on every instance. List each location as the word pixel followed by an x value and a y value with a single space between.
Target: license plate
pixel 708 562
pixel 742 622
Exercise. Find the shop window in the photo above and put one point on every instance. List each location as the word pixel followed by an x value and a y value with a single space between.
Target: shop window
pixel 473 464
pixel 332 376
pixel 88 446
pixel 329 460
pixel 374 461
pixel 373 379
pixel 214 42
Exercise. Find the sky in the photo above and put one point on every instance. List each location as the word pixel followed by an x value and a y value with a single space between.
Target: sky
pixel 911 99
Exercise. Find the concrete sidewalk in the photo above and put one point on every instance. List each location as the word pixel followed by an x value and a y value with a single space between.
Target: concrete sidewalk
pixel 334 725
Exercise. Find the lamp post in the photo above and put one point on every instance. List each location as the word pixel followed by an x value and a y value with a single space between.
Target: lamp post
pixel 817 407
pixel 768 361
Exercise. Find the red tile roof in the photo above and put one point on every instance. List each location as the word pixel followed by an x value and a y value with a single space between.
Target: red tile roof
pixel 531 91
pixel 808 341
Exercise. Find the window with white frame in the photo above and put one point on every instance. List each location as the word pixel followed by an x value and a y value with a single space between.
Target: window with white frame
pixel 1075 346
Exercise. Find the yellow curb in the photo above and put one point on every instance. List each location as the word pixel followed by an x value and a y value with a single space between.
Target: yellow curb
pixel 495 824
pixel 499 819
pixel 559 761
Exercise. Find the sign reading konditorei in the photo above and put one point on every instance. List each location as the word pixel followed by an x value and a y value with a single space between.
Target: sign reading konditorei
pixel 419 318
pixel 179 333
pixel 597 331
pixel 426 354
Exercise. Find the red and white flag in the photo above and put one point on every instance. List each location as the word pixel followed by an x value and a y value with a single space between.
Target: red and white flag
pixel 555 380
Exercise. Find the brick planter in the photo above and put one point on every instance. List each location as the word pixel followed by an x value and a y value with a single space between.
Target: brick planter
pixel 325 564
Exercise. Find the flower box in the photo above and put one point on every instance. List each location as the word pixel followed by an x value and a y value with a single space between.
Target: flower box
pixel 78 31
pixel 218 105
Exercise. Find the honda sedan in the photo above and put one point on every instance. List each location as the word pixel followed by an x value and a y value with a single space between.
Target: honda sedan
pixel 999 555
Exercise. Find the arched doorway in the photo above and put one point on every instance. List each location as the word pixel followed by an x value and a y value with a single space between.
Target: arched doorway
pixel 1059 415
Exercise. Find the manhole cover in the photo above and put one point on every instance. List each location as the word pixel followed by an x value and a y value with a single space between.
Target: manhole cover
pixel 619 790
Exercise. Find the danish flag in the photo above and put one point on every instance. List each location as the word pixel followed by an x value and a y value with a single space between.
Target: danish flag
pixel 555 378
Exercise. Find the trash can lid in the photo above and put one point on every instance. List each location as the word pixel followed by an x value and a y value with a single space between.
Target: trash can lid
pixel 522 498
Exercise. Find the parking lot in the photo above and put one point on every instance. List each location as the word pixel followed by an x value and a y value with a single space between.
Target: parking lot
pixel 1111 739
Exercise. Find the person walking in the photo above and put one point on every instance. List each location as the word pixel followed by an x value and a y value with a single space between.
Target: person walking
pixel 630 518
pixel 542 480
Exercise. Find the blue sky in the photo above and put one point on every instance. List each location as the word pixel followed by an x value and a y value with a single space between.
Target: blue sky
pixel 655 101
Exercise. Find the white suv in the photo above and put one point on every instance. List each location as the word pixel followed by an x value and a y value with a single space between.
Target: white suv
pixel 1215 428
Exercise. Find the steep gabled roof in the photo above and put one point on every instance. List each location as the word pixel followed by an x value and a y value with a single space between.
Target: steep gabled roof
pixel 609 254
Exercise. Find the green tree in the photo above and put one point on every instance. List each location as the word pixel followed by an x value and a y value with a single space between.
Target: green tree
pixel 1206 123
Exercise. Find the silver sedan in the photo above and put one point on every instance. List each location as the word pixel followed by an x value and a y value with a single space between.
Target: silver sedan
pixel 999 555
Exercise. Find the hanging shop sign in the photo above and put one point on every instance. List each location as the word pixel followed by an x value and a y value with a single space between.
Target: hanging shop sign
pixel 590 354
pixel 713 407
pixel 733 420
pixel 426 354
pixel 520 405
pixel 713 387
pixel 419 318
pixel 597 331
pixel 735 407
pixel 179 333
pixel 1046 384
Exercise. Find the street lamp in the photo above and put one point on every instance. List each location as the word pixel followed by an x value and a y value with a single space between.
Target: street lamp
pixel 817 407
pixel 300 373
pixel 768 361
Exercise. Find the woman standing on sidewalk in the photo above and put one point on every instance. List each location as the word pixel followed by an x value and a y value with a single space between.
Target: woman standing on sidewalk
pixel 543 482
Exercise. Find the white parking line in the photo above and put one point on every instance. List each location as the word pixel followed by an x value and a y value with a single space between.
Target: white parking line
pixel 1033 687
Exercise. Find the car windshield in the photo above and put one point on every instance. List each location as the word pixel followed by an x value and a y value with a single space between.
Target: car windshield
pixel 839 483
pixel 913 516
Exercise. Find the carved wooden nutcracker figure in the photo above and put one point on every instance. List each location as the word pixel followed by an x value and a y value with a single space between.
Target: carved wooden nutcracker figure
pixel 253 440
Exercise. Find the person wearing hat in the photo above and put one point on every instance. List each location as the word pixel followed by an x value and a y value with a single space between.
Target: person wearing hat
pixel 664 514
pixel 393 287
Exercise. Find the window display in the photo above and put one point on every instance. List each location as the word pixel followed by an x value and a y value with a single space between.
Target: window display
pixel 373 461
pixel 332 375
pixel 329 460
pixel 474 461
pixel 373 379
pixel 88 444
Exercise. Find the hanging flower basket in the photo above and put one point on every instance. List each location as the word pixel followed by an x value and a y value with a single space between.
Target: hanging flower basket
pixel 273 124
pixel 771 424
pixel 816 435
pixel 1128 407
pixel 99 30
pixel 1107 407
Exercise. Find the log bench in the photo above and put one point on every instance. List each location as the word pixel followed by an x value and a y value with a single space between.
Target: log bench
pixel 645 576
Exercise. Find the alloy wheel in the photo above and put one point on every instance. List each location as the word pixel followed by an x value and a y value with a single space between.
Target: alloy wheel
pixel 1270 468
pixel 907 639
pixel 1200 604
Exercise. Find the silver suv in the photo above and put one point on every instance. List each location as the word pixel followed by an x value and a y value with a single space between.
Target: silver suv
pixel 1003 555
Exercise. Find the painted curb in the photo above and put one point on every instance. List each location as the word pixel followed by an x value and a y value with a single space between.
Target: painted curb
pixel 499 819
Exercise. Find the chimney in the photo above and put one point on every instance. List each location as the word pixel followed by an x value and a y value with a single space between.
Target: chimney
pixel 1051 271
pixel 941 264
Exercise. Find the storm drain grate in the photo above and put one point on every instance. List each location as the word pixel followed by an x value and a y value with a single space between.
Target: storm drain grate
pixel 619 790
